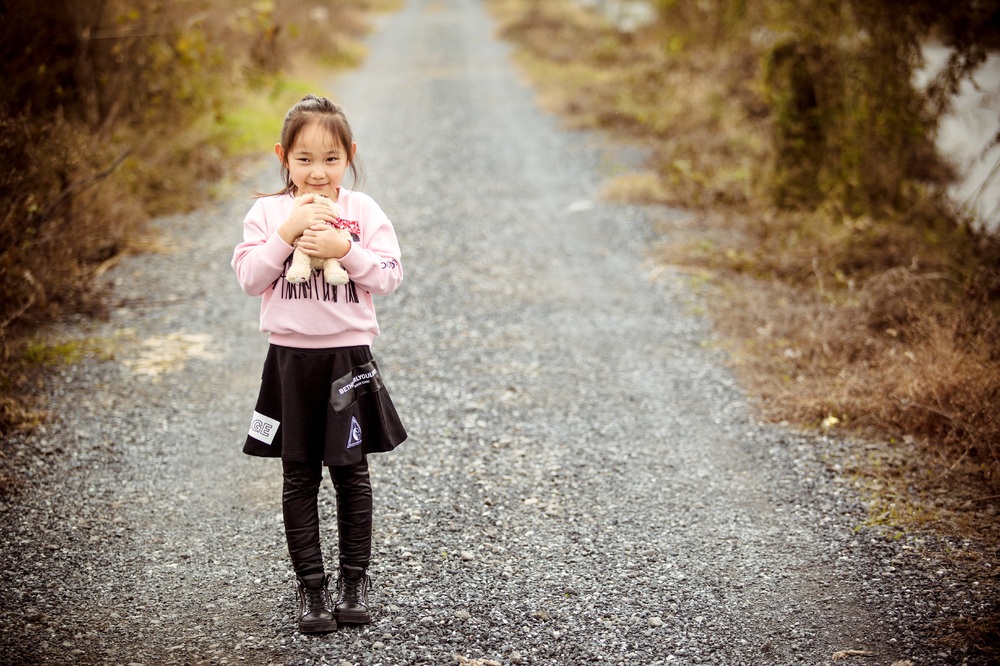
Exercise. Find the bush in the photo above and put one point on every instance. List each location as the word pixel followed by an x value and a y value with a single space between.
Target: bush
pixel 114 110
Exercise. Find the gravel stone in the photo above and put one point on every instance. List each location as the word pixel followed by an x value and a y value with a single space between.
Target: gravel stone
pixel 610 494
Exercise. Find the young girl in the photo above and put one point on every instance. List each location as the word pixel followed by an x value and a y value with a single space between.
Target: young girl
pixel 322 401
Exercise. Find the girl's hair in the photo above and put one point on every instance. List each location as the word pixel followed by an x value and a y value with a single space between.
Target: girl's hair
pixel 312 109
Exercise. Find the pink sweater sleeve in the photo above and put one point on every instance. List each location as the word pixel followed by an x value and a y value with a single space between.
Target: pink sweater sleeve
pixel 260 258
pixel 374 263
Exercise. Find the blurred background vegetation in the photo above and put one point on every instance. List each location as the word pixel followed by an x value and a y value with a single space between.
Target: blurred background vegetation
pixel 114 111
pixel 853 294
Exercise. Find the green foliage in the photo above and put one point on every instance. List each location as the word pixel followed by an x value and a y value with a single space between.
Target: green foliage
pixel 61 353
pixel 833 79
pixel 848 125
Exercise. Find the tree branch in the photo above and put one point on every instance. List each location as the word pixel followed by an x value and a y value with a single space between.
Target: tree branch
pixel 82 183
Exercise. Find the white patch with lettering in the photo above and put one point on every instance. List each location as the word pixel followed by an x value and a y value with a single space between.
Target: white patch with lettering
pixel 263 428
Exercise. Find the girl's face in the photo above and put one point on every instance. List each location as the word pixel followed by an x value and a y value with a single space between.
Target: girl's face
pixel 316 162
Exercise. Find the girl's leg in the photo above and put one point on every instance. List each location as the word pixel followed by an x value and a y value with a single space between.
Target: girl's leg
pixel 354 512
pixel 300 490
pixel 299 494
pixel 354 525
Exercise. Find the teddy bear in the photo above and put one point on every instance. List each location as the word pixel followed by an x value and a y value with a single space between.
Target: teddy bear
pixel 303 265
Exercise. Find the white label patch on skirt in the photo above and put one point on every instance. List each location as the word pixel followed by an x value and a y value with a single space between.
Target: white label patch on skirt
pixel 354 438
pixel 263 428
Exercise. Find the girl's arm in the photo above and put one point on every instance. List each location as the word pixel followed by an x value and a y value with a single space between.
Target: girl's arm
pixel 374 263
pixel 260 258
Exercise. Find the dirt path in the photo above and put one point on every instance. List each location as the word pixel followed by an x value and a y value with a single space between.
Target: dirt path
pixel 584 481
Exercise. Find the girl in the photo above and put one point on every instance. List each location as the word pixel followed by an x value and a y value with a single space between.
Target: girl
pixel 322 401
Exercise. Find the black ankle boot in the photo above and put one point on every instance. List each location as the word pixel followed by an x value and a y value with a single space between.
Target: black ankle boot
pixel 315 609
pixel 352 595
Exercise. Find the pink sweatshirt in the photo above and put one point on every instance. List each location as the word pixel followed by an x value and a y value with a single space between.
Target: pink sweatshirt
pixel 314 314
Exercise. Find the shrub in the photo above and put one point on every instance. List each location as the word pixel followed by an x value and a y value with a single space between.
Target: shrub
pixel 112 111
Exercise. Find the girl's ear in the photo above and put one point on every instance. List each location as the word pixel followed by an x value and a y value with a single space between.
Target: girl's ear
pixel 354 150
pixel 280 152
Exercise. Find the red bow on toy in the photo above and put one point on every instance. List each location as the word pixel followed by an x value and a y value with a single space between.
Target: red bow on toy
pixel 350 225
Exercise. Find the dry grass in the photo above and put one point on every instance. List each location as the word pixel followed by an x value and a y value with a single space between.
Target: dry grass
pixel 906 346
pixel 882 329
pixel 631 83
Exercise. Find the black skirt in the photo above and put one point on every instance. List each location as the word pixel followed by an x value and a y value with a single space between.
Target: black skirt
pixel 326 405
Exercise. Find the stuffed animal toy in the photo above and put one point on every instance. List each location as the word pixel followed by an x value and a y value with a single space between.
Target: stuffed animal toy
pixel 303 265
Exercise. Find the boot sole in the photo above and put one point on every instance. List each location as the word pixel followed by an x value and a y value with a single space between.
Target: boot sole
pixel 354 618
pixel 318 627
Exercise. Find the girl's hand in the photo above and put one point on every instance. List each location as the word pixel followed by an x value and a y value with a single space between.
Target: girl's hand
pixel 324 242
pixel 305 214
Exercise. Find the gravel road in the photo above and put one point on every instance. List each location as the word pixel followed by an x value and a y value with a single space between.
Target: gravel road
pixel 584 482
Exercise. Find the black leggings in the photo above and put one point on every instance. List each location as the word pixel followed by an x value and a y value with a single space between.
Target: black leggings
pixel 299 494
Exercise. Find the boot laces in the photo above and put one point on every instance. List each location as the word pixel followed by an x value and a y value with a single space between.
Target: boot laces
pixel 351 588
pixel 316 597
